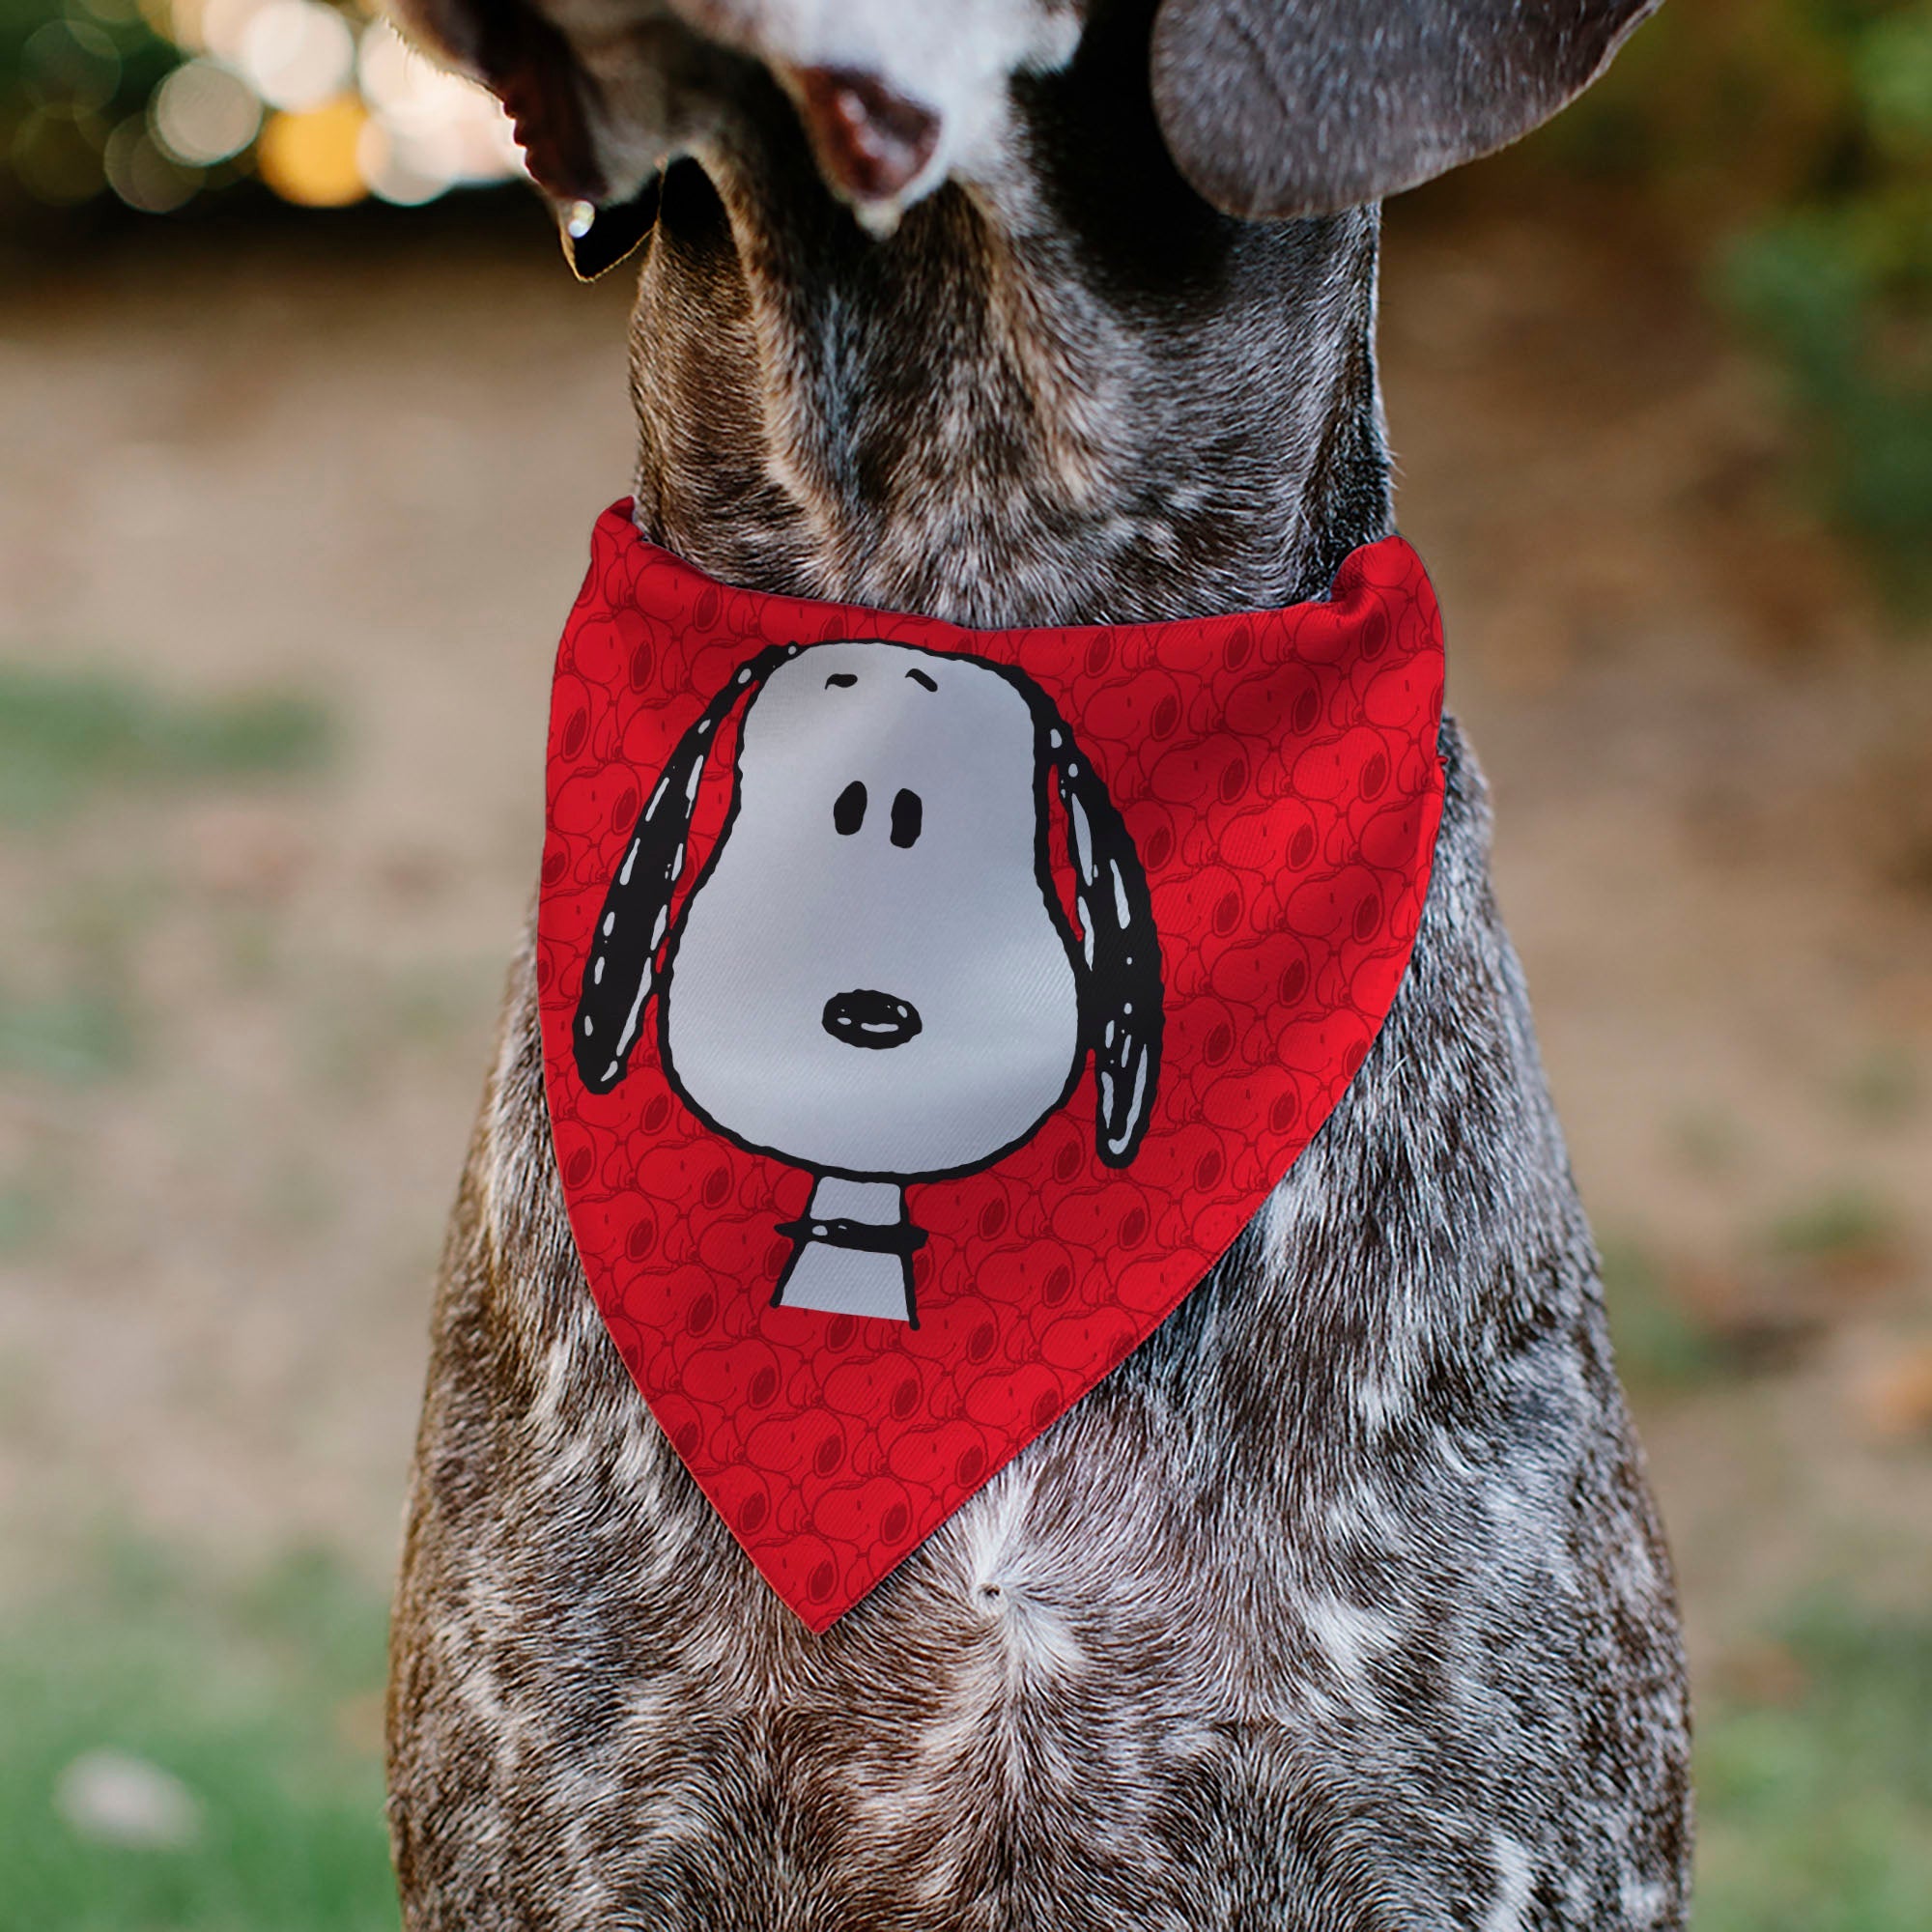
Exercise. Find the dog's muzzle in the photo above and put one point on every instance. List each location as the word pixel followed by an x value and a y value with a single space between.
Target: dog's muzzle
pixel 866 1018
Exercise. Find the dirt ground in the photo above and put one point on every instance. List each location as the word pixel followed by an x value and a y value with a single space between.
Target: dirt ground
pixel 246 1019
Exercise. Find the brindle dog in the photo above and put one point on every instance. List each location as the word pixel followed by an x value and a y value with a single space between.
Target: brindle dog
pixel 1341 1604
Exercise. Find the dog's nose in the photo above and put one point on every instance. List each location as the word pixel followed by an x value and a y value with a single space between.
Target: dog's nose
pixel 870 141
pixel 866 1018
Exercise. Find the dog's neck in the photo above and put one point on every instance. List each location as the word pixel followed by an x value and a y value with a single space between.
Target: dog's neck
pixel 1075 395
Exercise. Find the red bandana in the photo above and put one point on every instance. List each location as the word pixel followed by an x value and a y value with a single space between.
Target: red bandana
pixel 925 1010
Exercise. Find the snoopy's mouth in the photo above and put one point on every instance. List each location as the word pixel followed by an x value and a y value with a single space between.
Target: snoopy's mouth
pixel 866 1018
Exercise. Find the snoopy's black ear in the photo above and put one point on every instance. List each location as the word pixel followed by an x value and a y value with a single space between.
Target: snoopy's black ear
pixel 622 970
pixel 1120 1009
pixel 1282 107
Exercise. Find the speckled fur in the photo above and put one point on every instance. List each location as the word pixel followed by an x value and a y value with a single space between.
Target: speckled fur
pixel 1342 1604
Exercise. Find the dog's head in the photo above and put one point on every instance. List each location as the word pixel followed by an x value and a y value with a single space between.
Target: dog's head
pixel 1270 108
pixel 873 972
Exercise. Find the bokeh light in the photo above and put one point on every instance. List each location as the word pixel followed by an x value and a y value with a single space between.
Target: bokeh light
pixel 142 175
pixel 56 153
pixel 74 61
pixel 296 54
pixel 159 102
pixel 203 112
pixel 311 157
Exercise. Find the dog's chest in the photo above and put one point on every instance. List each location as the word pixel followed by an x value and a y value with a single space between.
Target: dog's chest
pixel 1338 1603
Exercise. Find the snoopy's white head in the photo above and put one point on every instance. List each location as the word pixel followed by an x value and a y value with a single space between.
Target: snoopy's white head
pixel 874 974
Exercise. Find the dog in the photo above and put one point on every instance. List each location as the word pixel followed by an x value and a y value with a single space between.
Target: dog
pixel 956 904
pixel 1341 1603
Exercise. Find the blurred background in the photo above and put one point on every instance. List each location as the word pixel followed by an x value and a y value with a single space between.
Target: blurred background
pixel 305 425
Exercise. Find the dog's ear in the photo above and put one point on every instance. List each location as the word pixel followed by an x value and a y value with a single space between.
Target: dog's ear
pixel 1288 108
pixel 1120 1009
pixel 622 970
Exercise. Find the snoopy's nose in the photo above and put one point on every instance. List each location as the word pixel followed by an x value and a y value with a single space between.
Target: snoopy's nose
pixel 865 1018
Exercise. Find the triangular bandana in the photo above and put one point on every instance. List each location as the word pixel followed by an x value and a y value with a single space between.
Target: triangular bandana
pixel 926 1009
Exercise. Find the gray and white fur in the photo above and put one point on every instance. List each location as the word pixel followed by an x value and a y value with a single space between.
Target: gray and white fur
pixel 1341 1604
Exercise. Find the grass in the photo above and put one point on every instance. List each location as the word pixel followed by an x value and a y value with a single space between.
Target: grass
pixel 1710 1142
pixel 259 1702
pixel 1883 1088
pixel 1815 1806
pixel 68 738
pixel 66 735
pixel 1789 1276
pixel 23 1214
pixel 1845 1225
pixel 1660 1345
pixel 72 1038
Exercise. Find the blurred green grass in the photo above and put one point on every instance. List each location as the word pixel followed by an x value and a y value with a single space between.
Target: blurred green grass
pixel 1815 1801
pixel 1681 1328
pixel 261 1701
pixel 1788 145
pixel 72 738
pixel 1661 1346
pixel 66 735
pixel 72 1037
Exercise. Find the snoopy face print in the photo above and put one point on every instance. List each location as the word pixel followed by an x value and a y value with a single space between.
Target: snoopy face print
pixel 869 979
pixel 873 977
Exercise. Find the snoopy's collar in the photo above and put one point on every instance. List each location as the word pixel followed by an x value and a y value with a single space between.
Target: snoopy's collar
pixel 925 1010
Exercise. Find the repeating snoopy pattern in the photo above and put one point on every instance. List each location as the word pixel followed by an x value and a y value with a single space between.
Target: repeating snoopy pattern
pixel 925 1010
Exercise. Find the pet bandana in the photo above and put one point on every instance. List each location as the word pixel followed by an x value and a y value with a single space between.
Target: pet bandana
pixel 926 1009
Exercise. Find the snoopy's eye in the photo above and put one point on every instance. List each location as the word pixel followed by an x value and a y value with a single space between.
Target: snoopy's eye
pixel 849 810
pixel 908 815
